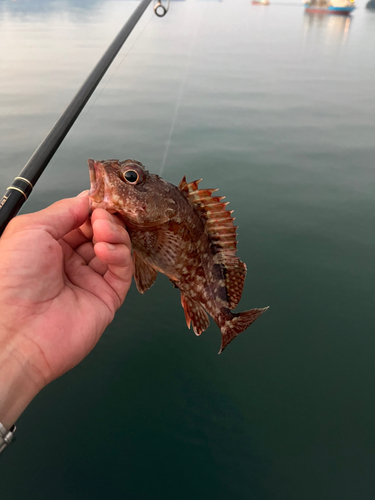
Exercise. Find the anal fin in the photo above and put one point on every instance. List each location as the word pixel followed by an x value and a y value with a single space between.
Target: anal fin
pixel 195 315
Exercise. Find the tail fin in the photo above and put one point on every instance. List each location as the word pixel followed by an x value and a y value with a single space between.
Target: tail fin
pixel 235 323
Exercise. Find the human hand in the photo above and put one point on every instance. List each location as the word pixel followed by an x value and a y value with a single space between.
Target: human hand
pixel 62 277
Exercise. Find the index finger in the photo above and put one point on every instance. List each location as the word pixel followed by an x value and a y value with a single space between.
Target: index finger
pixel 85 233
pixel 108 228
pixel 100 213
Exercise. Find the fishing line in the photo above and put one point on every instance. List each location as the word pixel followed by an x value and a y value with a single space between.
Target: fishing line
pixel 99 92
pixel 180 94
pixel 159 13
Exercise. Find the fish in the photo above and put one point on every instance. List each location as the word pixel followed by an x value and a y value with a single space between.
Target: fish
pixel 184 232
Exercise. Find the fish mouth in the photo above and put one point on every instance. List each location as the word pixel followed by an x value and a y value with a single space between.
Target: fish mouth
pixel 99 194
pixel 96 180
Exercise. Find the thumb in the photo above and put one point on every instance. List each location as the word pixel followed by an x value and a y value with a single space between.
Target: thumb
pixel 57 219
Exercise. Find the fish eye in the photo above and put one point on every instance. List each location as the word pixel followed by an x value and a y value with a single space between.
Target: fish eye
pixel 131 176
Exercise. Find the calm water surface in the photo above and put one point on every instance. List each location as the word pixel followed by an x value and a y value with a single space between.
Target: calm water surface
pixel 275 108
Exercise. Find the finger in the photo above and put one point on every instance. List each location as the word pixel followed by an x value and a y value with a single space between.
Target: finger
pixel 57 219
pixel 120 266
pixel 86 251
pixel 113 255
pixel 85 232
pixel 100 213
pixel 98 266
pixel 106 230
pixel 80 236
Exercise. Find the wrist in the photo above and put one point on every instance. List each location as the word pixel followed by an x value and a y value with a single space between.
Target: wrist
pixel 19 383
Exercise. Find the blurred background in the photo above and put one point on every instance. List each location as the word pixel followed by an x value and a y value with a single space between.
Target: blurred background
pixel 275 107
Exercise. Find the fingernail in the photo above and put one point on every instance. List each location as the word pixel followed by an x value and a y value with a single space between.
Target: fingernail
pixel 110 246
pixel 83 193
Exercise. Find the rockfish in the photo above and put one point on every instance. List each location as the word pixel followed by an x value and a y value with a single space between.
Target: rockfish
pixel 183 232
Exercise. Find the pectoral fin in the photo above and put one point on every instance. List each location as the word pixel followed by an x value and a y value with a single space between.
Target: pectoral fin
pixel 144 274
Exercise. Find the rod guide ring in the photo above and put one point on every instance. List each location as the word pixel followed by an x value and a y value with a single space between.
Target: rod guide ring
pixel 160 10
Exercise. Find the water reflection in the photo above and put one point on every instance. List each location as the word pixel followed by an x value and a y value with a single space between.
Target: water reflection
pixel 286 133
pixel 34 6
pixel 334 28
pixel 30 6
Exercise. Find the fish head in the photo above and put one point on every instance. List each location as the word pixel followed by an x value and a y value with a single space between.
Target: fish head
pixel 126 187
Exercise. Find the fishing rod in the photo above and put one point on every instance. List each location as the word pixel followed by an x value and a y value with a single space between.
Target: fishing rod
pixel 20 189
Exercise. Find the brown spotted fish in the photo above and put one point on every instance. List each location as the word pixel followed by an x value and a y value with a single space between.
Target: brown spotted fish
pixel 183 232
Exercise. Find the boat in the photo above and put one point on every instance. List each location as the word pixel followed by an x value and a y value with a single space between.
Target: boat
pixel 260 2
pixel 343 7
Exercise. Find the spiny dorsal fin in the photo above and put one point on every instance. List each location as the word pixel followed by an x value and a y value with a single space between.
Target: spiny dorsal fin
pixel 222 231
